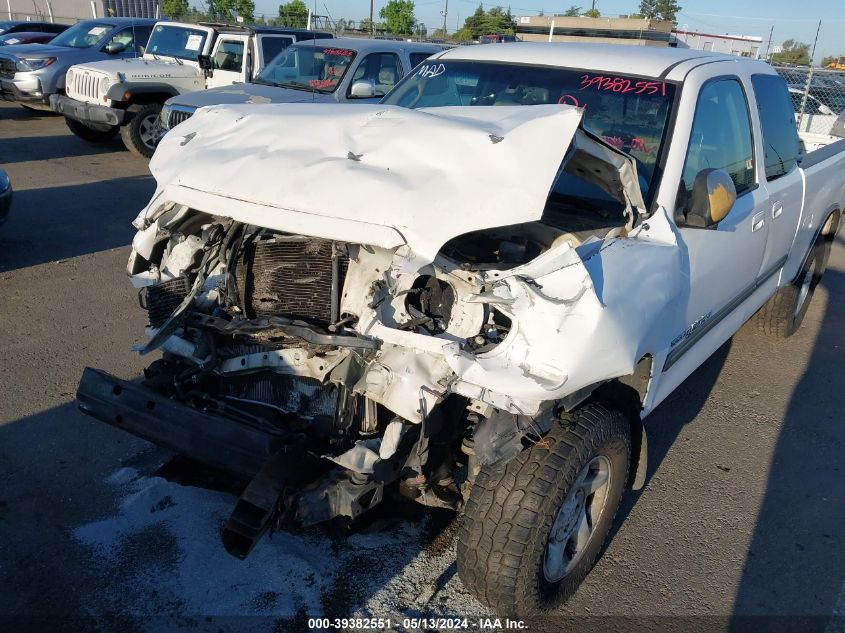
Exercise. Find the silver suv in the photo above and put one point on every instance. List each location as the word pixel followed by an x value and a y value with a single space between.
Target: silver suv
pixel 30 73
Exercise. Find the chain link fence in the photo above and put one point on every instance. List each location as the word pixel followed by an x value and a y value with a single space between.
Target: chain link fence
pixel 818 96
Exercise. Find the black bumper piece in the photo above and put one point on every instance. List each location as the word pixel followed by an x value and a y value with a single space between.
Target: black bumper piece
pixel 86 112
pixel 208 438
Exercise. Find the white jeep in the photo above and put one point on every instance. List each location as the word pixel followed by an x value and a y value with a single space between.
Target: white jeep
pixel 126 95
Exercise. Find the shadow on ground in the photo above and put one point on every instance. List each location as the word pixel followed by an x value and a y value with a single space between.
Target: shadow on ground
pixel 62 222
pixel 795 565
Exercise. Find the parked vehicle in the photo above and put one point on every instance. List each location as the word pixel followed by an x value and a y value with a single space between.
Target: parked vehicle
pixel 30 73
pixel 26 38
pixel 5 196
pixel 476 307
pixel 22 26
pixel 343 70
pixel 104 98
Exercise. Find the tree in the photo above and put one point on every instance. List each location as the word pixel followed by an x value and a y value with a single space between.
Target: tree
pixel 496 20
pixel 398 16
pixel 293 14
pixel 592 13
pixel 439 34
pixel 659 9
pixel 793 52
pixel 226 9
pixel 174 8
pixel 572 12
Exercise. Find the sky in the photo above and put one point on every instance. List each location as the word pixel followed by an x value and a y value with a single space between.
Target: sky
pixel 791 19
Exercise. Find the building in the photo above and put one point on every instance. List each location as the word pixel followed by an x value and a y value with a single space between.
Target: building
pixel 69 11
pixel 621 30
pixel 741 45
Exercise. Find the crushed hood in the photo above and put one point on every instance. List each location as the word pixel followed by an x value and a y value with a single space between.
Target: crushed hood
pixel 249 93
pixel 380 175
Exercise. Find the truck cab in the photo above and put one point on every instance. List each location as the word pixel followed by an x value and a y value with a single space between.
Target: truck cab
pixel 126 95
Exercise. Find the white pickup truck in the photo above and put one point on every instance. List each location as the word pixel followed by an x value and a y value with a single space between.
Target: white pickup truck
pixel 126 95
pixel 474 306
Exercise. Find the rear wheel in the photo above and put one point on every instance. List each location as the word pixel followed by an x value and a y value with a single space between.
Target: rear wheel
pixel 782 314
pixel 533 527
pixel 92 133
pixel 143 132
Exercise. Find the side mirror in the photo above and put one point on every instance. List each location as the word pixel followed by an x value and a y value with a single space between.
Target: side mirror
pixel 713 196
pixel 363 90
pixel 206 65
pixel 113 48
pixel 823 109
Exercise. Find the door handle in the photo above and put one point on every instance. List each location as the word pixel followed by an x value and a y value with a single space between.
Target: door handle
pixel 758 221
pixel 777 209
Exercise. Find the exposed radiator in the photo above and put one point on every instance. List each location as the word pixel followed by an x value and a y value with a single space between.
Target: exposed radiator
pixel 162 299
pixel 291 277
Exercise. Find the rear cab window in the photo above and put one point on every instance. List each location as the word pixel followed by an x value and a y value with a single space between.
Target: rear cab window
pixel 780 135
pixel 272 45
pixel 418 58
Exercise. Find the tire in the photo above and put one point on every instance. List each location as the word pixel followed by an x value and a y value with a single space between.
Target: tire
pixel 506 542
pixel 143 132
pixel 91 133
pixel 782 314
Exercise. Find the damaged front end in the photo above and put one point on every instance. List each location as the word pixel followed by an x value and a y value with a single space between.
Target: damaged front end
pixel 328 352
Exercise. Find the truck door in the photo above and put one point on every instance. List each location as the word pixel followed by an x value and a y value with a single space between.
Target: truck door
pixel 783 182
pixel 723 263
pixel 228 61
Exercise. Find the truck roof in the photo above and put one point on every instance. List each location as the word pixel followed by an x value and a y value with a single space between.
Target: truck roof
pixel 644 61
pixel 364 45
pixel 223 27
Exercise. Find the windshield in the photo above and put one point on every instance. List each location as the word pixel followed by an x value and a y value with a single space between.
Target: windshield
pixel 5 26
pixel 82 35
pixel 308 67
pixel 176 41
pixel 629 113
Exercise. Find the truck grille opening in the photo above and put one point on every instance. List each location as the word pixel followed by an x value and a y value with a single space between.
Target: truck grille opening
pixel 162 299
pixel 292 277
pixel 175 117
pixel 84 85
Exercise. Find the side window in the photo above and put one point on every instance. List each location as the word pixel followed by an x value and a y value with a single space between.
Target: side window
pixel 125 37
pixel 272 46
pixel 419 58
pixel 780 136
pixel 142 36
pixel 229 55
pixel 721 138
pixel 383 69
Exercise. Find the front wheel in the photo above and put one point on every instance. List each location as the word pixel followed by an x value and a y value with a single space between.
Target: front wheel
pixel 92 133
pixel 534 527
pixel 143 132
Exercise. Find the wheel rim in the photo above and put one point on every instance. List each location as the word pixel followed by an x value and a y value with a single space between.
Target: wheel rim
pixel 149 130
pixel 804 289
pixel 577 518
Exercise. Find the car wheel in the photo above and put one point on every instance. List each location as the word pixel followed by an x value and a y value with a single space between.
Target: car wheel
pixel 91 133
pixel 534 526
pixel 143 132
pixel 782 314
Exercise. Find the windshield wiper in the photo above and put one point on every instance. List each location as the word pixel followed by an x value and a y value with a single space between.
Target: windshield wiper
pixel 264 82
pixel 298 86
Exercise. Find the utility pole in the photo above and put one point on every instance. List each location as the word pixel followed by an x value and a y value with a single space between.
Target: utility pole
pixel 769 43
pixel 445 13
pixel 815 41
pixel 372 24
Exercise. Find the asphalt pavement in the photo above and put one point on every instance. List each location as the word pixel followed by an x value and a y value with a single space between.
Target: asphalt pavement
pixel 742 520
